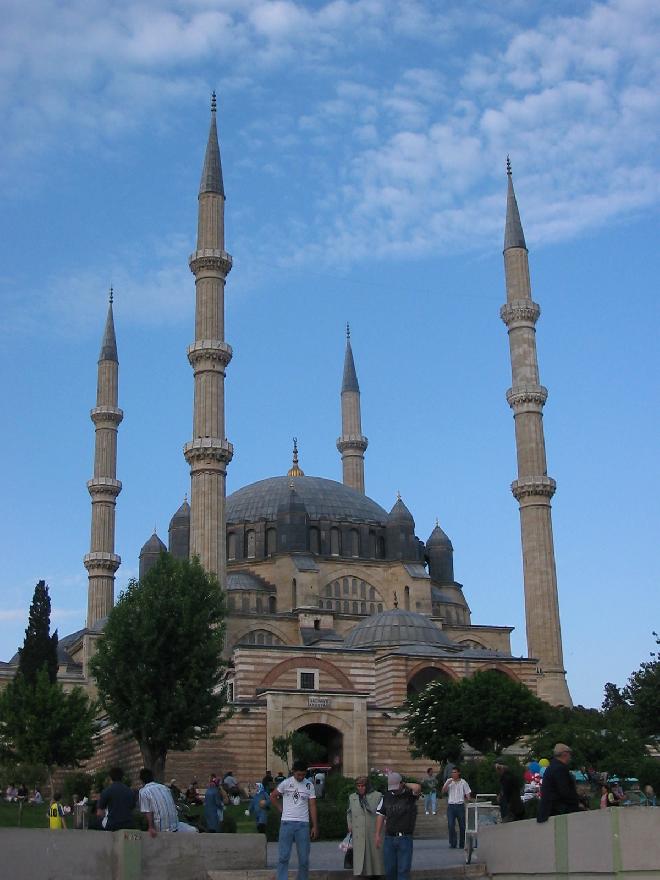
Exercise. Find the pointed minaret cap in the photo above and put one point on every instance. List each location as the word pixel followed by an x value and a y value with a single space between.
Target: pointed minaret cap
pixel 294 470
pixel 513 231
pixel 109 343
pixel 212 172
pixel 438 538
pixel 349 381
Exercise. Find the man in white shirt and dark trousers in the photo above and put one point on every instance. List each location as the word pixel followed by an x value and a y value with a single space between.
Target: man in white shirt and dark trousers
pixel 295 798
pixel 459 792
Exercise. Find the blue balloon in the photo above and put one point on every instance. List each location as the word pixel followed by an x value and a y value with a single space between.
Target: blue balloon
pixel 534 766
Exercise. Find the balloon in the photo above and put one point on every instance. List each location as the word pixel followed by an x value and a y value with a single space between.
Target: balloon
pixel 534 766
pixel 543 769
pixel 527 776
pixel 544 762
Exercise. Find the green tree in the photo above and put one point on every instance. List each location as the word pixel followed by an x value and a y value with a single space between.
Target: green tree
pixel 158 666
pixel 42 724
pixel 607 741
pixel 39 647
pixel 299 745
pixel 642 694
pixel 488 711
pixel 281 748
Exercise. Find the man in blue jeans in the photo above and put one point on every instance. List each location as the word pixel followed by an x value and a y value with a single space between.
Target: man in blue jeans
pixel 296 800
pixel 397 812
pixel 459 792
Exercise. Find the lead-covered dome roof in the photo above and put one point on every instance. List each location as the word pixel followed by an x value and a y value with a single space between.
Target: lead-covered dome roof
pixel 323 499
pixel 397 627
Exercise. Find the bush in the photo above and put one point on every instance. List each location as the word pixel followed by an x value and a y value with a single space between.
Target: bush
pixel 338 788
pixel 229 825
pixel 481 776
pixel 31 774
pixel 273 824
pixel 332 820
pixel 76 783
pixel 649 773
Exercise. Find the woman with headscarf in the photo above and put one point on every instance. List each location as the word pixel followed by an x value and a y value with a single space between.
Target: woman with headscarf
pixel 361 821
pixel 259 805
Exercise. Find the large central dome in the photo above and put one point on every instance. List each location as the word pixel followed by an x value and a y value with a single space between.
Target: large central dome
pixel 323 499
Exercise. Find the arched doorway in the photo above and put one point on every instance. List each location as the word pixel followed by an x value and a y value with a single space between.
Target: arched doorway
pixel 423 678
pixel 330 741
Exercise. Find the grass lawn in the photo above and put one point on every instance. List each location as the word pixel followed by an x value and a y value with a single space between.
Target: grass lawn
pixel 30 817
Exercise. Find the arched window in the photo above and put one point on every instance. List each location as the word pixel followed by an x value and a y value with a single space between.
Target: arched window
pixel 250 544
pixel 355 542
pixel 335 543
pixel 406 598
pixel 314 541
pixel 231 545
pixel 372 545
pixel 271 542
pixel 380 608
pixel 337 587
pixel 272 604
pixel 345 586
pixel 380 547
pixel 363 590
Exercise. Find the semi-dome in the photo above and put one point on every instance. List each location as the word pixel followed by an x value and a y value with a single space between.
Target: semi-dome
pixel 397 627
pixel 323 499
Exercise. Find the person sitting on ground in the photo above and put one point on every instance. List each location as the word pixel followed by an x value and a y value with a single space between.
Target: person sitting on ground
pixel 36 797
pixel 11 793
pixel 192 795
pixel 230 784
pixel 56 820
pixel 22 793
pixel 158 806
pixel 176 791
pixel 119 800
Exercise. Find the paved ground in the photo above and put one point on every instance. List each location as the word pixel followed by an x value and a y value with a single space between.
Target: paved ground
pixel 326 855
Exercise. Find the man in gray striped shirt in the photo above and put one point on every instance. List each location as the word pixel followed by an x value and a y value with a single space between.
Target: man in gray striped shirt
pixel 157 804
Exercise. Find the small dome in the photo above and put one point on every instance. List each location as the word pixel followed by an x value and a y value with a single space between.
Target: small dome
pixel 182 514
pixel 397 627
pixel 153 545
pixel 438 538
pixel 400 514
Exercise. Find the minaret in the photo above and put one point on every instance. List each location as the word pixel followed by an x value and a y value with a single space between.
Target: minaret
pixel 534 488
pixel 209 452
pixel 102 562
pixel 352 443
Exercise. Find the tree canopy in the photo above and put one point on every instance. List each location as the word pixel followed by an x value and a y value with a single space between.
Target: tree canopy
pixel 158 665
pixel 39 647
pixel 299 745
pixel 488 710
pixel 640 696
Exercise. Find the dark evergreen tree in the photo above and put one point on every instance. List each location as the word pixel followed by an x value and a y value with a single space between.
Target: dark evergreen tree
pixel 39 647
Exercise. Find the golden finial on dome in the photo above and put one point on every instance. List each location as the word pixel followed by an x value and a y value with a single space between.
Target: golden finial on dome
pixel 295 470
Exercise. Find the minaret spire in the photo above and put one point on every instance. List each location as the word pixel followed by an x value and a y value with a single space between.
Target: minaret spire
pixel 209 452
pixel 102 562
pixel 352 443
pixel 534 488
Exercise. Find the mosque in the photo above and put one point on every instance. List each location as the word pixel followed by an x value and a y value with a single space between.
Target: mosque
pixel 337 610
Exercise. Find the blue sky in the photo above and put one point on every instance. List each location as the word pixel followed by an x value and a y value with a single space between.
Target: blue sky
pixel 364 148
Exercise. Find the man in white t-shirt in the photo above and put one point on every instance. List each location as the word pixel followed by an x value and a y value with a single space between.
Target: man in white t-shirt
pixel 459 792
pixel 295 798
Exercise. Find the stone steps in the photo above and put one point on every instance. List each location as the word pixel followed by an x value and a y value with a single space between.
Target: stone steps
pixel 431 827
pixel 455 872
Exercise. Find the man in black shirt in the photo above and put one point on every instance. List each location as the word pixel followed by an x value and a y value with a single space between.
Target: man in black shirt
pixel 558 792
pixel 119 800
pixel 397 811
pixel 511 805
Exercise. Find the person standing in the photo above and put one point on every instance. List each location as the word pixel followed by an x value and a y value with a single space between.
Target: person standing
pixel 361 821
pixel 558 791
pixel 458 792
pixel 259 805
pixel 511 805
pixel 295 798
pixel 397 812
pixel 429 789
pixel 157 804
pixel 119 800
pixel 56 820
pixel 214 806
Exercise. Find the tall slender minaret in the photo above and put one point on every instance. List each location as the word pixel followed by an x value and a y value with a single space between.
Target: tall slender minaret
pixel 208 453
pixel 534 488
pixel 102 562
pixel 352 443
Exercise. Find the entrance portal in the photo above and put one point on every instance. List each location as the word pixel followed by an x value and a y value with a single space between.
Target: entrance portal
pixel 331 742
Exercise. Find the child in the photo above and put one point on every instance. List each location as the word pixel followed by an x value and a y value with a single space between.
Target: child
pixel 56 820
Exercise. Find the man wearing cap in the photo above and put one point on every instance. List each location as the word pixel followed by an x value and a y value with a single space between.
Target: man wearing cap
pixel 558 792
pixel 511 805
pixel 397 812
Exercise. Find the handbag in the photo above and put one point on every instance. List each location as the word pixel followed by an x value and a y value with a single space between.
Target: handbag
pixel 348 859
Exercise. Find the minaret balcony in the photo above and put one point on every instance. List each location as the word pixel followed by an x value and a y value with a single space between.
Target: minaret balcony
pixel 352 443
pixel 103 488
pixel 101 563
pixel 530 488
pixel 211 260
pixel 520 313
pixel 209 354
pixel 208 453
pixel 106 416
pixel 527 398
